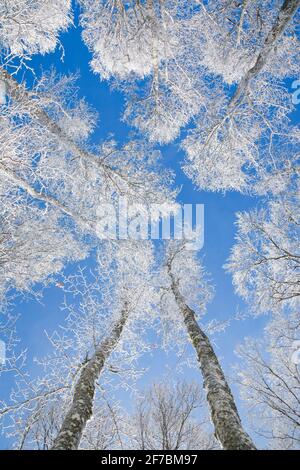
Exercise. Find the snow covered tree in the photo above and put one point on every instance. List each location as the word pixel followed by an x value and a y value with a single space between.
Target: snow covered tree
pixel 30 27
pixel 108 312
pixel 183 272
pixel 265 265
pixel 128 37
pixel 150 43
pixel 101 432
pixel 269 378
pixel 170 416
pixel 36 237
pixel 60 125
pixel 265 259
pixel 105 430
pixel 54 182
pixel 220 64
pixel 33 246
pixel 244 132
pixel 134 297
pixel 244 35
pixel 80 411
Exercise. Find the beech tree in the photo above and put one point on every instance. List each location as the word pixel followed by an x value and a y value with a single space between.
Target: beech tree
pixel 221 68
pixel 29 27
pixel 152 41
pixel 64 124
pixel 106 319
pixel 265 267
pixel 170 417
pixel 218 64
pixel 265 258
pixel 269 379
pixel 54 185
pixel 182 270
pixel 246 132
pixel 105 431
pixel 33 246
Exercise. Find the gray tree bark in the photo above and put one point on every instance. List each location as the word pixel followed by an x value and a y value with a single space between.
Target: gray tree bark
pixel 81 408
pixel 20 94
pixel 285 15
pixel 224 414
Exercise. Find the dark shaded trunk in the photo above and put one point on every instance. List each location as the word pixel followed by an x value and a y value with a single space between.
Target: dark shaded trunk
pixel 224 414
pixel 81 408
pixel 285 15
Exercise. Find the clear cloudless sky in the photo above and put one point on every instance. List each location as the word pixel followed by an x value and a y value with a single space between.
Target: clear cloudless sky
pixel 219 235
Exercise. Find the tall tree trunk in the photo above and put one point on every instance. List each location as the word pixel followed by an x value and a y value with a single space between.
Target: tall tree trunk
pixel 224 414
pixel 20 94
pixel 34 193
pixel 81 409
pixel 285 15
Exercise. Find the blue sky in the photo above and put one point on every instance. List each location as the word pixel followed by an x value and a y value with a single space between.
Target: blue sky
pixel 219 229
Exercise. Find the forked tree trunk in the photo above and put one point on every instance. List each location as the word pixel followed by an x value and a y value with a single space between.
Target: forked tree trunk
pixel 81 409
pixel 224 414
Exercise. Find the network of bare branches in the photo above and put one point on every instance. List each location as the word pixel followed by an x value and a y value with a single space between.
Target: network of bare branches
pixel 216 76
